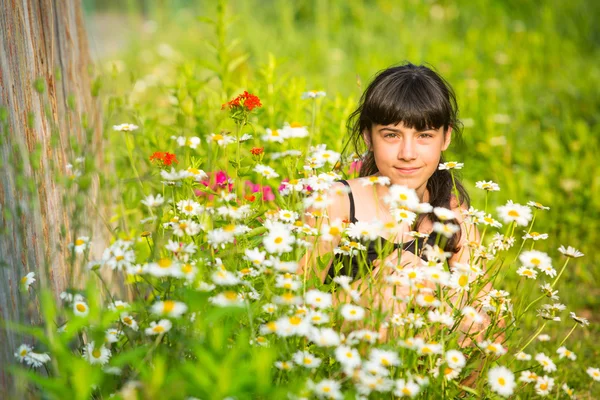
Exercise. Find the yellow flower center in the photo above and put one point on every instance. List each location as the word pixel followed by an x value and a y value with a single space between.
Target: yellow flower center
pixel 127 320
pixel 406 391
pixel 24 279
pixel 96 353
pixel 80 307
pixel 295 125
pixel 307 361
pixel 274 132
pixel 544 386
pixel 278 240
pixel 79 242
pixel 513 213
pixel 463 280
pixel 403 197
pixel 119 258
pixel 217 137
pixel 230 295
pixel 158 329
pixel 186 268
pixel 189 208
pixel 502 381
pixel 168 306
pixel 428 298
pixel 536 261
pixel 164 262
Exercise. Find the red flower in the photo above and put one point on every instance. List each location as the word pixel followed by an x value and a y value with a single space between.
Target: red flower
pixel 245 100
pixel 257 151
pixel 163 158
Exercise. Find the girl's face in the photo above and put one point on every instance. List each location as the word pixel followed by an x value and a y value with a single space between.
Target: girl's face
pixel 407 156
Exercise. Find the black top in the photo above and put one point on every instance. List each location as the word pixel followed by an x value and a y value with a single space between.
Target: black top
pixel 351 264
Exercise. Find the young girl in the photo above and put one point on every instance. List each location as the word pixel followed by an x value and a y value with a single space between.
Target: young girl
pixel 405 120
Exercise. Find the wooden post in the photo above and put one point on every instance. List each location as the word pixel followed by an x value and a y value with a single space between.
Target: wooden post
pixel 46 102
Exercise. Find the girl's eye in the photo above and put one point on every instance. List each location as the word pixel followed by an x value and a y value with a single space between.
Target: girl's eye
pixel 425 136
pixel 389 135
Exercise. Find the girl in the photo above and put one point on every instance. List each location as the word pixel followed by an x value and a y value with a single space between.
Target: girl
pixel 405 120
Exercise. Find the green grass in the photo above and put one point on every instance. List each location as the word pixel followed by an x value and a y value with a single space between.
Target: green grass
pixel 525 75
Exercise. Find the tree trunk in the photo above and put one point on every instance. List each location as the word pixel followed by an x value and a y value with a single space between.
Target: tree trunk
pixel 48 117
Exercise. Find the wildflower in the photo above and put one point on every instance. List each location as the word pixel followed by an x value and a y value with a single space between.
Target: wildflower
pixel 306 359
pixel 428 300
pixel 318 299
pixel 278 240
pixel 169 308
pixel 527 272
pixel 544 385
pixel 537 205
pixel 523 356
pixel 112 335
pixel 327 389
pixel 492 348
pixel 125 127
pixel 227 299
pixel 488 220
pixel 33 359
pixel 487 185
pixel 266 171
pixel 472 313
pixel 528 377
pixel 80 308
pixel 284 365
pixel 189 207
pixel 273 135
pixel 428 348
pixel 535 258
pixel 163 267
pixel 23 351
pixel 294 130
pixel 313 94
pixel 243 102
pixel 348 357
pixel 512 212
pixel 361 230
pixel 80 245
pixel 563 352
pixel 399 195
pixel 501 381
pixel 543 338
pixel 173 175
pixel 546 363
pixel 455 359
pixel 570 252
pixel 223 277
pixel 384 358
pixel 569 391
pixel 325 337
pixel 129 321
pixel 450 165
pixel 163 159
pixel 163 326
pixel 257 151
pixel 580 320
pixel 27 280
pixel 594 373
pixel 375 180
pixel 445 229
pixel 444 214
pixel 95 355
pixel 535 236
pixel 351 312
pixel 406 388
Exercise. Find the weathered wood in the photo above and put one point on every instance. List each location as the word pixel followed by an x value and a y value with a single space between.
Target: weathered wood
pixel 41 41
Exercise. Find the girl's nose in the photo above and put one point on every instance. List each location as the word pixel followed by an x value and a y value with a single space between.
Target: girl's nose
pixel 407 150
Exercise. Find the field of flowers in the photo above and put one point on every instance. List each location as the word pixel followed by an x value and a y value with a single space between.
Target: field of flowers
pixel 224 137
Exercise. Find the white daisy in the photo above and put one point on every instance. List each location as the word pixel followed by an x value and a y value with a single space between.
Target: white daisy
pixel 487 185
pixel 512 212
pixel 564 352
pixel 157 328
pixel 570 252
pixel 227 299
pixel 318 299
pixel 80 308
pixel 170 308
pixel 406 388
pixel 266 171
pixel 501 381
pixel 348 357
pixel 153 201
pixel 306 359
pixel 95 355
pixel 125 127
pixel 451 165
pixel 27 280
pixel 80 245
pixel 351 312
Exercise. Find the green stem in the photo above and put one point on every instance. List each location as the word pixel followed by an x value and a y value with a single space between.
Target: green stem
pixel 560 273
pixel 568 334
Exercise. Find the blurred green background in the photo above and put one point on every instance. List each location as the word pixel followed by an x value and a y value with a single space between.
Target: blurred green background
pixel 526 75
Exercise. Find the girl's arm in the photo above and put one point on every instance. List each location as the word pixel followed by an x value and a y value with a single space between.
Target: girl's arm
pixel 338 210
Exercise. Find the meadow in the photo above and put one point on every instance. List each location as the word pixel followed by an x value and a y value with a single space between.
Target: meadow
pixel 193 298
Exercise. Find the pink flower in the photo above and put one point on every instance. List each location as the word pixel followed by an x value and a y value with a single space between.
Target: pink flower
pixel 217 181
pixel 355 167
pixel 267 192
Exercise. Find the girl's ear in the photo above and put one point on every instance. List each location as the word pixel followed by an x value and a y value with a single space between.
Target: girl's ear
pixel 447 138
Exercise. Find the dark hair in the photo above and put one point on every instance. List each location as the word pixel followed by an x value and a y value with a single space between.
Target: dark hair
pixel 420 99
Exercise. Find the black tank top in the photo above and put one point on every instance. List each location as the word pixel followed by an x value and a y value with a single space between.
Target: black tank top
pixel 351 264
